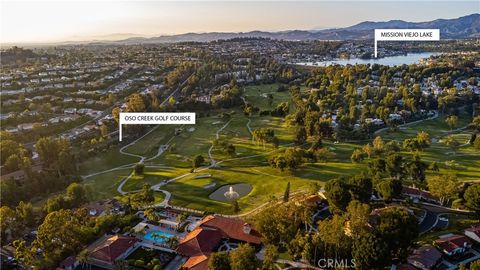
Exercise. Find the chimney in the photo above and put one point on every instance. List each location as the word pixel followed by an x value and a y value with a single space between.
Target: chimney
pixel 247 228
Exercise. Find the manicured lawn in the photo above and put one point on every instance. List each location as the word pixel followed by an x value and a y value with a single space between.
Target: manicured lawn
pixel 105 185
pixel 257 95
pixel 104 161
pixel 250 162
pixel 437 128
pixel 266 182
pixel 152 177
pixel 148 145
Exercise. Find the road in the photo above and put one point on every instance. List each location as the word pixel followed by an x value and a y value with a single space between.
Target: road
pixel 428 222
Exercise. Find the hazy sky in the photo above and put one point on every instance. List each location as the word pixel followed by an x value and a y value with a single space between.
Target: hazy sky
pixel 41 21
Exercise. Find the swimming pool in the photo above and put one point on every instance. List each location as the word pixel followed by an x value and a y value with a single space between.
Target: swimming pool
pixel 158 236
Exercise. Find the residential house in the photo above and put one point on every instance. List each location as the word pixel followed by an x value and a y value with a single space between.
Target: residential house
pixel 109 249
pixel 417 195
pixel 70 111
pixel 452 244
pixel 70 263
pixel 425 258
pixel 473 233
pixel 208 235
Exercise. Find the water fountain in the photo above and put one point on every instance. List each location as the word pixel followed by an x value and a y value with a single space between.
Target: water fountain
pixel 231 194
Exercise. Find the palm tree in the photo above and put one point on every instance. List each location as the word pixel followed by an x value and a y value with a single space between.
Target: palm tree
pixel 120 265
pixel 82 258
pixel 172 241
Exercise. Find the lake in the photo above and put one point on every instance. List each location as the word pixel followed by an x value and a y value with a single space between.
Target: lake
pixel 411 58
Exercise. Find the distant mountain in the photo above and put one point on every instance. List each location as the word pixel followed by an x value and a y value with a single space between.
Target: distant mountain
pixel 463 27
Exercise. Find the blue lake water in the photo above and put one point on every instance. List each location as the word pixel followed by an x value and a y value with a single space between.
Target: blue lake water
pixel 411 58
pixel 157 236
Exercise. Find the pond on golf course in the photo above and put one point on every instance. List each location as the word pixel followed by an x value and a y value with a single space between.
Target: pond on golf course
pixel 219 194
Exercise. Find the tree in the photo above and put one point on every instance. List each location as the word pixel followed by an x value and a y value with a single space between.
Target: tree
pixel 476 122
pixel 76 194
pixel 394 166
pixel 370 252
pixel 243 258
pixel 116 114
pixel 398 228
pixel 472 197
pixel 135 103
pixel 357 156
pixel 150 214
pixel 171 101
pixel 338 194
pixel 83 257
pixel 103 130
pixel 23 253
pixel 286 195
pixel 291 159
pixel 334 240
pixel 55 203
pixel 12 163
pixel 276 224
pixel 24 211
pixel 56 155
pixel 10 224
pixel 361 187
pixel 452 121
pixel 139 168
pixel 378 145
pixel 390 189
pixel 300 136
pixel 271 256
pixel 416 169
pixel 412 144
pixel 476 143
pixel 63 232
pixel 219 261
pixel 143 197
pixel 9 148
pixel 443 187
pixel 235 206
pixel 475 265
pixel 263 135
pixel 423 139
pixel 358 215
pixel 198 160
pixel 324 154
pixel 368 149
pixel 452 143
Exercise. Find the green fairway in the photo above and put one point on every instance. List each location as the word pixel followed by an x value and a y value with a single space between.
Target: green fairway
pixel 152 177
pixel 105 185
pixel 105 161
pixel 249 163
pixel 437 128
pixel 257 95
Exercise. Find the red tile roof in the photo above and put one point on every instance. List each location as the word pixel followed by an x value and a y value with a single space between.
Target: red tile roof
pixel 111 248
pixel 202 241
pixel 199 242
pixel 231 228
pixel 451 243
pixel 313 199
pixel 419 193
pixel 199 262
